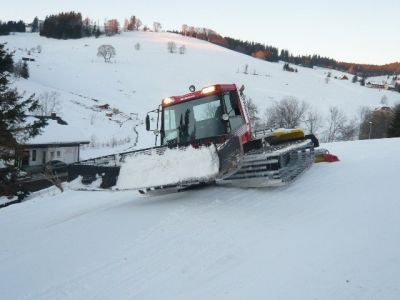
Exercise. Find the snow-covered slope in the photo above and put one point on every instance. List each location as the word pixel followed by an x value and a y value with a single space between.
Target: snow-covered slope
pixel 136 81
pixel 332 234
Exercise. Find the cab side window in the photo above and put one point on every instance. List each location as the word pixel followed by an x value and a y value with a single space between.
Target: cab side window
pixel 231 102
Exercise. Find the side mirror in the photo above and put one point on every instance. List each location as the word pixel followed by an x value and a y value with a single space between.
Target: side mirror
pixel 147 122
pixel 241 90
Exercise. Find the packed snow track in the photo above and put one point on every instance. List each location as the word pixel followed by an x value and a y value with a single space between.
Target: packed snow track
pixel 332 234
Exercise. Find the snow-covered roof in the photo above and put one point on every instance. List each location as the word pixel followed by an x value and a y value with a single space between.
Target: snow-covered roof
pixel 55 133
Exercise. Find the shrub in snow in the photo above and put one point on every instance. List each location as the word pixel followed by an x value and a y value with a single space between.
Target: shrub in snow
pixel 137 46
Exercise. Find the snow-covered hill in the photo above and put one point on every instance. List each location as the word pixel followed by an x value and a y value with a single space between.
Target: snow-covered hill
pixel 332 234
pixel 136 81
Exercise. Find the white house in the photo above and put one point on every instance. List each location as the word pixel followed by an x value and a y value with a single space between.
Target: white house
pixel 57 142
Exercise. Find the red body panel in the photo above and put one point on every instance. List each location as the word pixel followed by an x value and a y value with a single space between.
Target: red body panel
pixel 330 158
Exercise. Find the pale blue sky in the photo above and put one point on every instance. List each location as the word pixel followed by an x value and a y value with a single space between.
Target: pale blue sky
pixel 358 31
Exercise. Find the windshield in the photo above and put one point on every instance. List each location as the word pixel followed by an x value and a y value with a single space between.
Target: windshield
pixel 193 120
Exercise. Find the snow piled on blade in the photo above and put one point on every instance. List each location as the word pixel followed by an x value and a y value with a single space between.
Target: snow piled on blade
pixel 174 166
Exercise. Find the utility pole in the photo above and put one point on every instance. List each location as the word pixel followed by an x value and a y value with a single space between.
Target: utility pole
pixel 370 130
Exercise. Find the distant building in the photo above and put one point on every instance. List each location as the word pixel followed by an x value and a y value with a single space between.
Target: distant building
pixel 343 77
pixel 376 85
pixel 58 141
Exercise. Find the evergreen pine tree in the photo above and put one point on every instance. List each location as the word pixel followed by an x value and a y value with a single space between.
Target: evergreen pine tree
pixel 35 25
pixel 97 33
pixel 25 70
pixel 355 79
pixel 394 126
pixel 14 127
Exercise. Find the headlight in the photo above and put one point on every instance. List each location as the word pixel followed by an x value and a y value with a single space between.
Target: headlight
pixel 209 90
pixel 168 101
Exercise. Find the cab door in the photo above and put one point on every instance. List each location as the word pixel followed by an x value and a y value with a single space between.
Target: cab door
pixel 232 109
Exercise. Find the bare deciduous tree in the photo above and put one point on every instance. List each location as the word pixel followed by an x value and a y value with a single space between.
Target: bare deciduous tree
pixel 157 26
pixel 336 119
pixel 49 103
pixel 348 130
pixel 111 27
pixel 252 111
pixel 138 23
pixel 184 29
pixel 313 121
pixel 171 46
pixel 340 128
pixel 287 113
pixel 131 23
pixel 182 49
pixel 107 52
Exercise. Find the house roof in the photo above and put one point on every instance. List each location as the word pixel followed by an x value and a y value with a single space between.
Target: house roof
pixel 58 134
pixel 383 108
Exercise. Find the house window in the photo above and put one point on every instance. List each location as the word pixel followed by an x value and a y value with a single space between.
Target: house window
pixel 33 155
pixel 58 153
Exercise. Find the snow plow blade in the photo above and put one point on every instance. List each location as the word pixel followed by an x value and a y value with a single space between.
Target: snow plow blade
pixel 164 168
pixel 159 169
pixel 167 170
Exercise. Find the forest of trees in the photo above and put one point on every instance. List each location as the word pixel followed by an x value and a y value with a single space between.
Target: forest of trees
pixel 12 26
pixel 271 53
pixel 70 25
pixel 368 70
pixel 63 26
